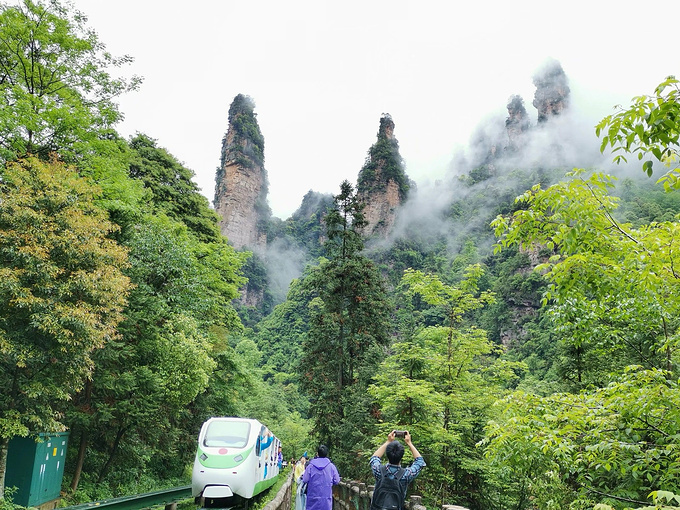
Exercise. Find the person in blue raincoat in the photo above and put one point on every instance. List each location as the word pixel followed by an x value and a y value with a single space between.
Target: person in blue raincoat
pixel 320 476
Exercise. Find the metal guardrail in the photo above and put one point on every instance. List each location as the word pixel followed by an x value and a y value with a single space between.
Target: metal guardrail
pixel 139 501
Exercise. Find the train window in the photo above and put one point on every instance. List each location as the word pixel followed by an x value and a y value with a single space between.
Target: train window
pixel 232 434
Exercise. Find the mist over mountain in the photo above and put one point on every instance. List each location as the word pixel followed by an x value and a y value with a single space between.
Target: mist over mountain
pixel 507 153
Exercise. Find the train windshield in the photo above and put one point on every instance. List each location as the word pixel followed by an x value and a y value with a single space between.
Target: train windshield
pixel 232 434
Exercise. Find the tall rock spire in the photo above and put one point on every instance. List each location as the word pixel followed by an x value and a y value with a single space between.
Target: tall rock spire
pixel 517 123
pixel 382 184
pixel 552 91
pixel 241 180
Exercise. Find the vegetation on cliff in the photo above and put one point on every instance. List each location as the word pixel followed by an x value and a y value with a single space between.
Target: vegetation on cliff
pixel 247 146
pixel 383 163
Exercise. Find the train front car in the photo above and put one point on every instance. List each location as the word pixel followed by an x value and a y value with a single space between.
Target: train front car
pixel 236 459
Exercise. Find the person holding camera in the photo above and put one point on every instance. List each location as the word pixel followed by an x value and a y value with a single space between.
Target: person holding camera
pixel 391 480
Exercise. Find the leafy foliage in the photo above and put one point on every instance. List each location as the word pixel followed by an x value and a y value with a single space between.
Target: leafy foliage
pixel 172 190
pixel 612 297
pixel 614 444
pixel 348 316
pixel 143 383
pixel 606 280
pixel 62 291
pixel 438 384
pixel 58 95
pixel 649 125
pixel 288 324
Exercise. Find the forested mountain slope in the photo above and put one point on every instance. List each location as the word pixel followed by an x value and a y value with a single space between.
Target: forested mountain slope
pixel 537 323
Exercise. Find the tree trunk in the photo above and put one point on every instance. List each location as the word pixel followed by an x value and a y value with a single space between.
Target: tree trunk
pixel 79 461
pixel 114 449
pixel 3 465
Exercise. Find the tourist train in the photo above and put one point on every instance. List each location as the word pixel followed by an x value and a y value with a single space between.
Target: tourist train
pixel 236 459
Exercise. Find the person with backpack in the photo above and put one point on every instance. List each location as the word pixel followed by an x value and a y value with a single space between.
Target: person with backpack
pixel 320 475
pixel 391 480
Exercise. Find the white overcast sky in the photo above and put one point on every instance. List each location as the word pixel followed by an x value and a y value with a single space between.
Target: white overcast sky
pixel 321 74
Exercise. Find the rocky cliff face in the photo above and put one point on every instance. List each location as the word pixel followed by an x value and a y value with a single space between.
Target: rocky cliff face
pixel 241 180
pixel 517 122
pixel 552 91
pixel 495 143
pixel 382 184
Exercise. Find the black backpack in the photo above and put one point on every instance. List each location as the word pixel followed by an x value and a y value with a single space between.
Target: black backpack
pixel 389 494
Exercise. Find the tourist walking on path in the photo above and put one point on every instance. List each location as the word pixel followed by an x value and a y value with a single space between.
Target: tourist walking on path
pixel 300 495
pixel 320 476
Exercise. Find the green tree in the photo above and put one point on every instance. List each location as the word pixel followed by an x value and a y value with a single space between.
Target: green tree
pixel 62 292
pixel 456 301
pixel 616 444
pixel 614 292
pixel 613 301
pixel 440 382
pixel 58 96
pixel 348 329
pixel 612 288
pixel 650 125
pixel 344 222
pixel 58 93
pixel 280 336
pixel 143 383
pixel 172 190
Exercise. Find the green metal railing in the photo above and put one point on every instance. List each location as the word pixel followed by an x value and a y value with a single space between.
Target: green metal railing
pixel 139 501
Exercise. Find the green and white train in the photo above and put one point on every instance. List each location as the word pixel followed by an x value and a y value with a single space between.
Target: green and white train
pixel 237 458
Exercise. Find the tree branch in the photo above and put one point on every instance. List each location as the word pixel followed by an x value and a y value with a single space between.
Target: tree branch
pixel 618 498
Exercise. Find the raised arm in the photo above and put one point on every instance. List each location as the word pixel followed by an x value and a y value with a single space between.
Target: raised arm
pixel 412 447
